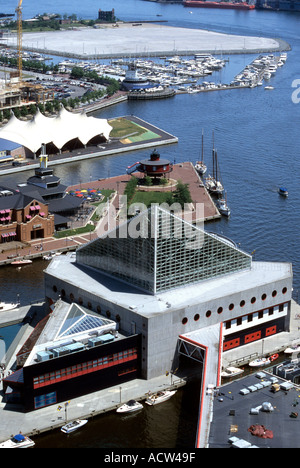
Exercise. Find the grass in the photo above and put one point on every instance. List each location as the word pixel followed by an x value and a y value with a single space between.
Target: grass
pixel 150 197
pixel 124 127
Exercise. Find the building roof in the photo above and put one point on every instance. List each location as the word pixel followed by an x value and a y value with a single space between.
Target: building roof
pixel 232 418
pixel 68 325
pixel 147 250
pixel 58 130
pixel 113 290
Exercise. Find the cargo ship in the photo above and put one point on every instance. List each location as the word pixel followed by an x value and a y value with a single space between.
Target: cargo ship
pixel 210 4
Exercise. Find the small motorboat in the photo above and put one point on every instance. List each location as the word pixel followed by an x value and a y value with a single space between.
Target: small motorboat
pixel 200 167
pixel 223 207
pixel 159 397
pixel 73 425
pixel 130 407
pixel 21 262
pixel 283 191
pixel 231 372
pixel 263 361
pixel 269 87
pixel 4 306
pixel 18 441
pixel 293 349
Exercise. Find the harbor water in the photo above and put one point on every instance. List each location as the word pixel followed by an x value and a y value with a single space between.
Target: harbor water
pixel 256 134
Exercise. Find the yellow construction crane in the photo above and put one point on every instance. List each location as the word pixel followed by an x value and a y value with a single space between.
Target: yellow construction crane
pixel 19 40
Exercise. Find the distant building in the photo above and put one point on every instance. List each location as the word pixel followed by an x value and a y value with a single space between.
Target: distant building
pixel 278 5
pixel 107 16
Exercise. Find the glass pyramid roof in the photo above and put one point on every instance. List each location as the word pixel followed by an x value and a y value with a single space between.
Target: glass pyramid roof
pixel 157 251
pixel 78 321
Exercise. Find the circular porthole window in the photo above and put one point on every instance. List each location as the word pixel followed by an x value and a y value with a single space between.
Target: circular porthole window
pixel 184 321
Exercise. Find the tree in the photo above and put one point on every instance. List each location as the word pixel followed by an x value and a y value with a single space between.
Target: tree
pixel 182 194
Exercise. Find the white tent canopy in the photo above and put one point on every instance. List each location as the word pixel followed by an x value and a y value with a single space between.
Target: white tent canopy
pixel 57 130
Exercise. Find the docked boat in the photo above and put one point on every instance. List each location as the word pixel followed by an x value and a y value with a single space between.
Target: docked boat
pixel 200 167
pixel 263 361
pixel 223 206
pixel 130 407
pixel 292 349
pixel 21 262
pixel 160 397
pixel 231 371
pixel 4 306
pixel 73 425
pixel 18 441
pixel 213 183
pixel 283 191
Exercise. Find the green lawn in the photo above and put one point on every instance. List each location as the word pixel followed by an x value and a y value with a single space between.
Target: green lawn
pixel 150 197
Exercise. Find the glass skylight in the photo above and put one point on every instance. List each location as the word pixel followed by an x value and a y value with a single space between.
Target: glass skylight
pixel 78 321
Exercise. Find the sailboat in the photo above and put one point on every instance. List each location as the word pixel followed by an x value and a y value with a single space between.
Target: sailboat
pixel 213 183
pixel 200 166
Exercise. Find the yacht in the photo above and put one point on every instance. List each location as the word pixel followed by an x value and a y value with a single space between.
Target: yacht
pixel 130 407
pixel 263 361
pixel 159 397
pixel 231 372
pixel 21 262
pixel 292 349
pixel 4 306
pixel 18 441
pixel 73 425
pixel 223 207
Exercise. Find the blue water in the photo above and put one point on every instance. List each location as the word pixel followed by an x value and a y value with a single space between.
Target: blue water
pixel 256 133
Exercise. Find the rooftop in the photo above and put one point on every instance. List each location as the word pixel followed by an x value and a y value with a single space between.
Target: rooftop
pixel 232 416
pixel 128 296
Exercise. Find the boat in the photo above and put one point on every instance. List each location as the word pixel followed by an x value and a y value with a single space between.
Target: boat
pixel 73 425
pixel 130 407
pixel 263 361
pixel 210 4
pixel 213 183
pixel 269 87
pixel 231 372
pixel 159 397
pixel 223 207
pixel 293 349
pixel 283 191
pixel 18 441
pixel 200 166
pixel 4 306
pixel 21 262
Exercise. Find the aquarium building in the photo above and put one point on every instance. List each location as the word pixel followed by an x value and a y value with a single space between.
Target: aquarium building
pixel 174 293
